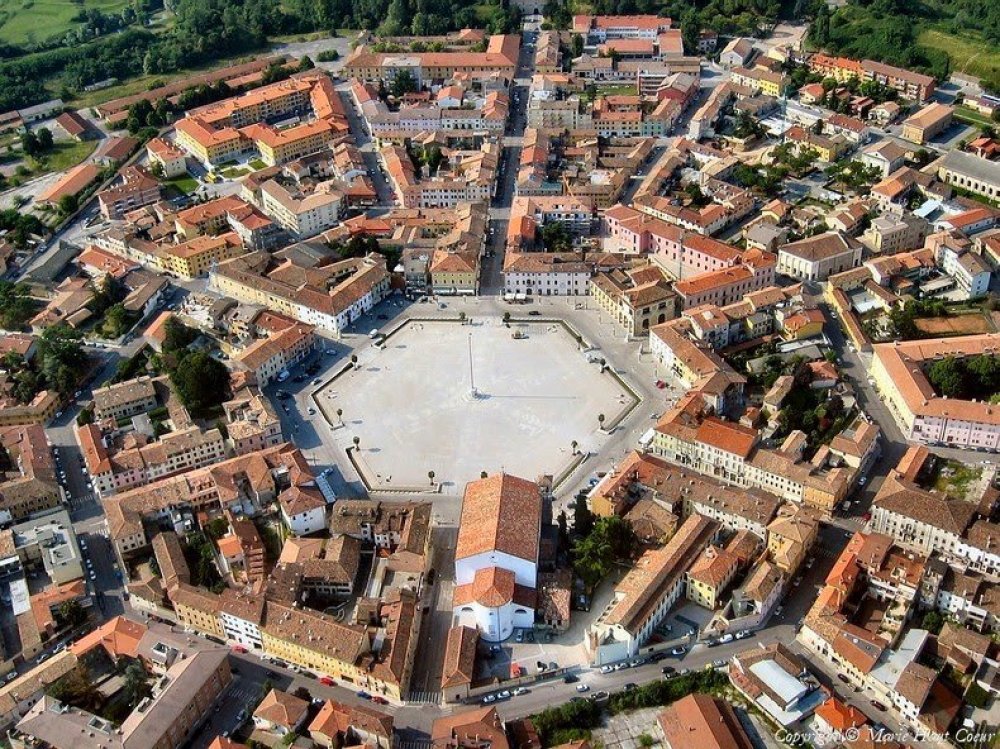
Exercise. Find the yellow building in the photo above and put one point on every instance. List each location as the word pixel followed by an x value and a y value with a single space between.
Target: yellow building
pixel 41 410
pixel 790 537
pixel 195 257
pixel 709 575
pixel 278 147
pixel 454 272
pixel 208 145
pixel 197 608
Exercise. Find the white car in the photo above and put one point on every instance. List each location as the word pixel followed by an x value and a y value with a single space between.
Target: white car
pixel 519 691
pixel 582 688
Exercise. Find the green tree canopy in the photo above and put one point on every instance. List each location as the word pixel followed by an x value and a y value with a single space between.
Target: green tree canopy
pixel 202 382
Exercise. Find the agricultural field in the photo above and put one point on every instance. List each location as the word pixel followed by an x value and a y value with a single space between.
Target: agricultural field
pixel 25 21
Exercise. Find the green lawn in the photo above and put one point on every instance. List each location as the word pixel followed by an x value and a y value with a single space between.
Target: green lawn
pixel 186 183
pixel 257 164
pixel 969 53
pixel 36 20
pixel 235 172
pixel 967 114
pixel 64 154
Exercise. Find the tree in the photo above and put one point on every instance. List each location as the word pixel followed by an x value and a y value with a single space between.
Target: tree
pixel 340 415
pixel 948 376
pixel 202 382
pixel 71 614
pixel 583 518
pixel 63 359
pixel 357 443
pixel 217 528
pixel 44 139
pixel 354 360
pixel 577 47
pixel 135 687
pixel 600 420
pixel 68 204
pixel 932 621
pixel 404 83
pixel 29 143
pixel 306 63
pixel 556 237
pixel 16 307
pixel 116 321
pixel 177 336
pixel 430 475
pixel 611 540
pixel 574 445
pixel 506 318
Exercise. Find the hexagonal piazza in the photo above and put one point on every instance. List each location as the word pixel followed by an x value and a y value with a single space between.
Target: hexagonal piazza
pixel 413 409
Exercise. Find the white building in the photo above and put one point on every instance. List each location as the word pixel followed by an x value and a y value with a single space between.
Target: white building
pixel 240 615
pixel 546 274
pixel 818 257
pixel 496 556
pixel 303 510
pixel 302 215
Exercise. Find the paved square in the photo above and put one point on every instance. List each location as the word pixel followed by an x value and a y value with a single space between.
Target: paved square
pixel 413 409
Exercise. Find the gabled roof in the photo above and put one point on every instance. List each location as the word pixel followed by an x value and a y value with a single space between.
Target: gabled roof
pixel 502 513
pixel 282 709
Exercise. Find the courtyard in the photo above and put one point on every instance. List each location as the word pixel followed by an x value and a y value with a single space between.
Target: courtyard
pixel 460 399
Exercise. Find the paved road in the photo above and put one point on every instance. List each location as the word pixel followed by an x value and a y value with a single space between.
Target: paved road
pixel 491 279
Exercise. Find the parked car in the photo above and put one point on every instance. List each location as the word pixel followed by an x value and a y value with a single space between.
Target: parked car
pixel 607 669
pixel 504 695
pixel 668 670
pixel 363 694
pixel 519 691
pixel 582 688
pixel 327 681
pixel 719 663
pixel 678 651
pixel 877 705
pixel 726 638
pixel 630 687
pixel 489 699
pixel 657 657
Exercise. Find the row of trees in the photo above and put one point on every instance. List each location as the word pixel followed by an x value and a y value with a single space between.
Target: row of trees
pixel 207 30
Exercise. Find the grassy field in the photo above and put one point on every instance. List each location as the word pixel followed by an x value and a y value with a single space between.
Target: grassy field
pixel 971 116
pixel 185 184
pixel 64 154
pixel 968 53
pixel 36 20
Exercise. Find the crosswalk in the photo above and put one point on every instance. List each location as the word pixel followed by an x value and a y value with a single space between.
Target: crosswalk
pixel 413 744
pixel 244 692
pixel 425 698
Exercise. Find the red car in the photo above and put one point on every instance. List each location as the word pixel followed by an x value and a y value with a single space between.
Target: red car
pixel 327 680
pixel 239 649
pixel 661 384
pixel 379 700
